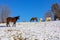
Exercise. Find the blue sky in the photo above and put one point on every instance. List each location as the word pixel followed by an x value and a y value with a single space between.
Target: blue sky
pixel 29 8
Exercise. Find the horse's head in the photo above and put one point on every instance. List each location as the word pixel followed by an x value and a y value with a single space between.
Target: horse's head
pixel 17 17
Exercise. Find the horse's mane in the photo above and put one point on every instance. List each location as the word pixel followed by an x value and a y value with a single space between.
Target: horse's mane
pixel 17 17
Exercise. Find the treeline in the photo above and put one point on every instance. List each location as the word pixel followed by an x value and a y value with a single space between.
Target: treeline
pixel 54 12
pixel 4 13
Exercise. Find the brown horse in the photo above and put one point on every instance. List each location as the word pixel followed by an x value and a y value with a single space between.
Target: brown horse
pixel 34 19
pixel 12 19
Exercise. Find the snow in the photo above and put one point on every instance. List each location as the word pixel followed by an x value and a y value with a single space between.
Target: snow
pixel 31 31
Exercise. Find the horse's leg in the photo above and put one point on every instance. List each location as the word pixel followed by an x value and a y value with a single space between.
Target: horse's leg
pixel 33 20
pixel 14 24
pixel 7 24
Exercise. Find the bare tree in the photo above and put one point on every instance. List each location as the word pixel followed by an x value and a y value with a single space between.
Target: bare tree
pixel 48 15
pixel 5 13
pixel 55 7
pixel 56 11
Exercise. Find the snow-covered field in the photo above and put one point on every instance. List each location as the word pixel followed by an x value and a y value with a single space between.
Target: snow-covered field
pixel 31 31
